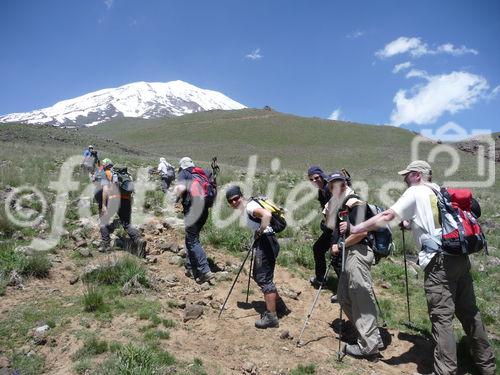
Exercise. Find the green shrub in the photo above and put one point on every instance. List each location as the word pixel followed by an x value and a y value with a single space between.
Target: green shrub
pixel 37 265
pixel 93 299
pixel 92 346
pixel 118 273
pixel 304 370
pixel 28 365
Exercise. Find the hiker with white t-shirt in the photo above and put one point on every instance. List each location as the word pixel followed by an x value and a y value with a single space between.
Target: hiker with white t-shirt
pixel 167 174
pixel 258 219
pixel 447 283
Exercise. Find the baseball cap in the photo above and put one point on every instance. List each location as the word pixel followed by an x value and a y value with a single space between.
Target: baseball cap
pixel 336 176
pixel 233 191
pixel 416 166
pixel 186 163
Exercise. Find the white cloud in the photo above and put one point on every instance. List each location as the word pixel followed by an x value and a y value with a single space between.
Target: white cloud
pixel 415 47
pixel 402 66
pixel 355 34
pixel 109 3
pixel 417 73
pixel 254 55
pixel 335 115
pixel 425 103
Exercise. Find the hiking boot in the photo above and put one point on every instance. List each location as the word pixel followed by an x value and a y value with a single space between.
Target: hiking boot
pixel 141 247
pixel 316 283
pixel 334 298
pixel 267 320
pixel 355 351
pixel 205 277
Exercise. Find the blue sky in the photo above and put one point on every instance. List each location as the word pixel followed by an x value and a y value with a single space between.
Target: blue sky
pixel 310 58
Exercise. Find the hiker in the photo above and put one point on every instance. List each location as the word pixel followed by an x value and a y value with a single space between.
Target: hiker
pixel 318 178
pixel 355 289
pixel 167 174
pixel 90 159
pixel 99 179
pixel 116 201
pixel 447 282
pixel 195 209
pixel 266 251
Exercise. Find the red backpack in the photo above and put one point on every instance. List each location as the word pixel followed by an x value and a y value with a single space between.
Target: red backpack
pixel 202 186
pixel 461 232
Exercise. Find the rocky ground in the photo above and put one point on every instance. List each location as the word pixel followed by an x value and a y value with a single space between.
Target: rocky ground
pixel 229 345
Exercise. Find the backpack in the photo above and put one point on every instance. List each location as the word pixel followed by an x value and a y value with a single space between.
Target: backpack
pixel 380 240
pixel 461 233
pixel 124 180
pixel 170 172
pixel 203 186
pixel 278 222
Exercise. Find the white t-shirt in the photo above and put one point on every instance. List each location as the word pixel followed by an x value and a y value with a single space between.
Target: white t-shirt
pixel 418 204
pixel 254 226
pixel 162 167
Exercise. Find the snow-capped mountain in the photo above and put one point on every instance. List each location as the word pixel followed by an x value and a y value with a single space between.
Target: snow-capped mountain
pixel 139 99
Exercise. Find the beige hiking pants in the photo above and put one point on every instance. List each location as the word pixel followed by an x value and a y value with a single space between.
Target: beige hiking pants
pixel 355 295
pixel 449 291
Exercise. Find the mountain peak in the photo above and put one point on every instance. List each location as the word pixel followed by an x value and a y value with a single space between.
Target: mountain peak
pixel 137 99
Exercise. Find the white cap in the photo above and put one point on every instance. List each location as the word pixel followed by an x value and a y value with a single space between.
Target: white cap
pixel 186 163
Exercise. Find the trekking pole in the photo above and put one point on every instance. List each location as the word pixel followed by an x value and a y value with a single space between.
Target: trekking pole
pixel 236 279
pixel 384 322
pixel 406 279
pixel 339 353
pixel 250 272
pixel 299 341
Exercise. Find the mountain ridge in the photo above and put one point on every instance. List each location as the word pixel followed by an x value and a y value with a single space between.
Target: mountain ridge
pixel 136 100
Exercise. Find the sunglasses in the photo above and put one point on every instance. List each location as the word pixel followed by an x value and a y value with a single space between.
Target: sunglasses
pixel 233 199
pixel 314 179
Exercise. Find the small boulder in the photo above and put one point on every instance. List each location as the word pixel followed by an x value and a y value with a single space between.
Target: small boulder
pixel 288 292
pixel 192 312
pixel 84 252
pixel 15 279
pixel 285 335
pixel 176 260
pixel 171 278
pixel 222 276
pixel 74 280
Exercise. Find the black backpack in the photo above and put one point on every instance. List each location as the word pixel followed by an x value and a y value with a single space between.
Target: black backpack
pixel 278 222
pixel 380 240
pixel 124 180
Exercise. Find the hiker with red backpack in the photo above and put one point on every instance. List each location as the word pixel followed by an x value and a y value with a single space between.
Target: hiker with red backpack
pixel 196 191
pixel 444 226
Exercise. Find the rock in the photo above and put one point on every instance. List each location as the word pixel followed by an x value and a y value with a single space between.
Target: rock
pixel 209 295
pixel 216 305
pixel 81 243
pixel 182 253
pixel 285 335
pixel 249 368
pixel 18 236
pixel 74 280
pixel 4 364
pixel 159 227
pixel 172 247
pixel 290 293
pixel 386 285
pixel 151 260
pixel 205 286
pixel 133 286
pixel 84 252
pixel 171 278
pixel 222 276
pixel 201 302
pixel 192 312
pixel 176 260
pixel 40 335
pixel 15 279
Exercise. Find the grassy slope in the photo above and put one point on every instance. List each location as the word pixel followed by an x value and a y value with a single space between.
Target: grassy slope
pixel 371 153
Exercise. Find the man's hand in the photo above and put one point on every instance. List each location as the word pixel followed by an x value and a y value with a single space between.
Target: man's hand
pixel 343 227
pixel 335 250
pixel 405 225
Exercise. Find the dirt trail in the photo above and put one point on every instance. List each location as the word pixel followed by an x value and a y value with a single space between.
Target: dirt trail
pixel 229 343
